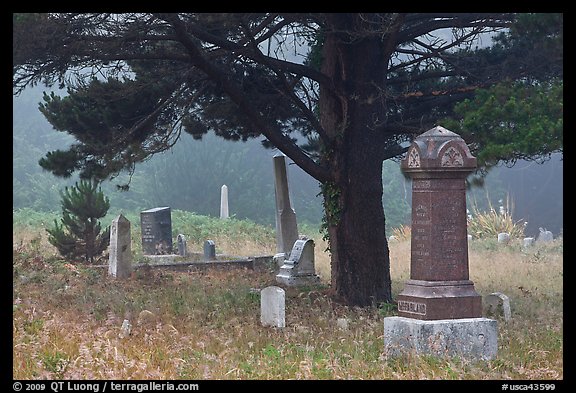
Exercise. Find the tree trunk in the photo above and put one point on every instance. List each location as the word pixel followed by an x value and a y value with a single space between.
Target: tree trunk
pixel 359 250
pixel 351 110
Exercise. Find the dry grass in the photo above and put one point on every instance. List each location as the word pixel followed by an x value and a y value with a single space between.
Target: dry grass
pixel 67 321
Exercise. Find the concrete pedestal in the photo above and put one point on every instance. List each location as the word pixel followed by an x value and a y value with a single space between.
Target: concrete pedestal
pixel 468 338
pixel 291 280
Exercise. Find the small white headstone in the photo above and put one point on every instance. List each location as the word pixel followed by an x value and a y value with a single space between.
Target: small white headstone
pixel 126 329
pixel 503 238
pixel 342 323
pixel 273 307
pixel 528 241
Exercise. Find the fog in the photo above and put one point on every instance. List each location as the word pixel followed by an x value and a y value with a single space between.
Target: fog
pixel 536 193
pixel 189 177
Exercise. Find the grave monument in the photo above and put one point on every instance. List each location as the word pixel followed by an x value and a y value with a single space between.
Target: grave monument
pixel 209 250
pixel 273 307
pixel 439 311
pixel 224 202
pixel 286 225
pixel 120 258
pixel 156 226
pixel 299 268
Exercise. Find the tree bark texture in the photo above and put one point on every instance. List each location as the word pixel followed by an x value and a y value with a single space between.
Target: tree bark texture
pixel 353 201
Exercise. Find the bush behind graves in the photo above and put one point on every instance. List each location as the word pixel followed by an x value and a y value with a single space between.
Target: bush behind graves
pixel 79 234
pixel 489 223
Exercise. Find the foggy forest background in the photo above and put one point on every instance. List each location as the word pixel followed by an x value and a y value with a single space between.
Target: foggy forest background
pixel 190 175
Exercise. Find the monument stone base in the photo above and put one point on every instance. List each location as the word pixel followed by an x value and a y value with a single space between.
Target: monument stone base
pixel 434 300
pixel 296 280
pixel 162 258
pixel 279 258
pixel 468 338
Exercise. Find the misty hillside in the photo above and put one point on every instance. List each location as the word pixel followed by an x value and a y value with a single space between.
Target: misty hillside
pixel 189 177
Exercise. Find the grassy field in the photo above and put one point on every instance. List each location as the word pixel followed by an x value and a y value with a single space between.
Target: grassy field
pixel 206 325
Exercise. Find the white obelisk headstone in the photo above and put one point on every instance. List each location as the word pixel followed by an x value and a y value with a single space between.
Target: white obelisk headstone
pixel 224 202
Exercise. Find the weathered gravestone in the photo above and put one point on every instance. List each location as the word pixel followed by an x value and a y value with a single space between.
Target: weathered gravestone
pixel 273 307
pixel 527 242
pixel 497 301
pixel 439 309
pixel 299 268
pixel 503 238
pixel 120 252
pixel 156 227
pixel 544 236
pixel 224 202
pixel 209 250
pixel 125 329
pixel 181 241
pixel 286 225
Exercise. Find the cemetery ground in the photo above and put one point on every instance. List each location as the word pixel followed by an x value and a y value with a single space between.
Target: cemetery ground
pixel 67 318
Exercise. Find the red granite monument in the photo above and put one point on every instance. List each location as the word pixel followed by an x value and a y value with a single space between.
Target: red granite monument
pixel 438 161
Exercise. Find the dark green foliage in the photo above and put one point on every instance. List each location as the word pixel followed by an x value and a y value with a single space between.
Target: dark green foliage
pixel 155 87
pixel 512 121
pixel 80 234
pixel 100 115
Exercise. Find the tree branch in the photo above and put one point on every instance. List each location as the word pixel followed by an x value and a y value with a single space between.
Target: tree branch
pixel 274 135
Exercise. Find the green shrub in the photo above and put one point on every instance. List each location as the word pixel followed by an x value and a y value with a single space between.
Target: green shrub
pixel 79 235
pixel 488 224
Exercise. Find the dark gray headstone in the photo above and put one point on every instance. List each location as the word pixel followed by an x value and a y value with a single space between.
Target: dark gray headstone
pixel 209 250
pixel 156 231
pixel 286 225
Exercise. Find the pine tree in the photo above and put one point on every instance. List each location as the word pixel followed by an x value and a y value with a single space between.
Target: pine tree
pixel 79 234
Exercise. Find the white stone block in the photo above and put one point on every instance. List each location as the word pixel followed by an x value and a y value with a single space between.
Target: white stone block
pixel 468 338
pixel 273 307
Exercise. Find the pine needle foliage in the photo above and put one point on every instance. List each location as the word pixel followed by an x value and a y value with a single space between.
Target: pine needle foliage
pixel 79 234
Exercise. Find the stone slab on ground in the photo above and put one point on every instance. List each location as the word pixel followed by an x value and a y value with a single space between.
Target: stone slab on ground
pixel 468 338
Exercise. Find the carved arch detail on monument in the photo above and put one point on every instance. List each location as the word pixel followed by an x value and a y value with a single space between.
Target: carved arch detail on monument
pixel 413 158
pixel 452 157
